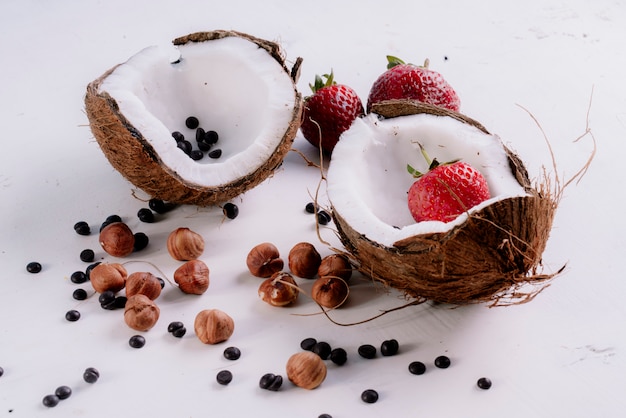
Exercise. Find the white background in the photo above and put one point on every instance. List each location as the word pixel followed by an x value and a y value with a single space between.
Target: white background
pixel 560 355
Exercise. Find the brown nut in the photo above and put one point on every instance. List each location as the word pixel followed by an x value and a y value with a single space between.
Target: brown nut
pixel 143 283
pixel 335 265
pixel 279 290
pixel 264 260
pixel 141 313
pixel 306 370
pixel 192 277
pixel 304 260
pixel 108 276
pixel 183 244
pixel 213 326
pixel 330 291
pixel 117 239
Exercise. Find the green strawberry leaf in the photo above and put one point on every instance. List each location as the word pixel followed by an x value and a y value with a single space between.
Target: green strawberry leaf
pixel 413 172
pixel 393 61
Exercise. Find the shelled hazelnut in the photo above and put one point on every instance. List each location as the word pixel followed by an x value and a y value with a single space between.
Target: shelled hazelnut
pixel 306 370
pixel 117 239
pixel 183 244
pixel 108 276
pixel 279 290
pixel 330 291
pixel 192 277
pixel 264 260
pixel 304 260
pixel 335 265
pixel 213 326
pixel 141 313
pixel 143 283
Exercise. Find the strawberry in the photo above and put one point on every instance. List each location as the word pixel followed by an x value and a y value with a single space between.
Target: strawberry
pixel 445 191
pixel 329 112
pixel 408 81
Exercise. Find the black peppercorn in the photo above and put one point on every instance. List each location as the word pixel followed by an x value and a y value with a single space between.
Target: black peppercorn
pixel 141 241
pixel 50 401
pixel 232 353
pixel 323 217
pixel 82 228
pixel 33 267
pixel 178 136
pixel 72 315
pixel 216 153
pixel 79 294
pixel 177 329
pixel 442 362
pixel 417 367
pixel 211 137
pixel 159 206
pixel 230 210
pixel 145 215
pixel 389 347
pixel 91 375
pixel 137 341
pixel 63 392
pixel 224 377
pixel 367 351
pixel 78 277
pixel 322 349
pixel 369 396
pixel 87 255
pixel 484 383
pixel 192 122
pixel 196 154
pixel 310 207
pixel 339 356
pixel 271 381
pixel 308 344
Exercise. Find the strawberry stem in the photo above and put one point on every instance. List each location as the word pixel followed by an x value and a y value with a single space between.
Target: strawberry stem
pixel 393 61
pixel 320 83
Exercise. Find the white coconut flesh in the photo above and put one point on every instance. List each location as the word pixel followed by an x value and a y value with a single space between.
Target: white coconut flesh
pixel 368 181
pixel 231 85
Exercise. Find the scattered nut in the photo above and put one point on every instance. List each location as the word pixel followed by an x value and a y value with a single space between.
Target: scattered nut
pixel 335 265
pixel 143 283
pixel 184 244
pixel 213 326
pixel 306 370
pixel 304 260
pixel 279 290
pixel 192 277
pixel 108 276
pixel 264 260
pixel 117 239
pixel 141 313
pixel 330 291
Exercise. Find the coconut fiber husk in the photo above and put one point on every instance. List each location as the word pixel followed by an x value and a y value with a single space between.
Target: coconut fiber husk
pixel 495 256
pixel 130 153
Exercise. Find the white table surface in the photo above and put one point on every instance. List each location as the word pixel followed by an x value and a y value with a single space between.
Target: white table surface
pixel 561 355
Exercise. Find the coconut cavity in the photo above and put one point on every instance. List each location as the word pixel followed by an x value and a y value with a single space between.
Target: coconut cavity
pixel 234 84
pixel 481 255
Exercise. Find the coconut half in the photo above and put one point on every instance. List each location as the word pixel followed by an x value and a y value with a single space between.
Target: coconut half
pixel 235 84
pixel 485 254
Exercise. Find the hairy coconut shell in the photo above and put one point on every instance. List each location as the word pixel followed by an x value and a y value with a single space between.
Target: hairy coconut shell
pixel 488 258
pixel 130 153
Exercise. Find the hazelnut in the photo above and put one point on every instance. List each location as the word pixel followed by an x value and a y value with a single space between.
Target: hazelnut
pixel 264 260
pixel 279 290
pixel 335 265
pixel 306 370
pixel 330 291
pixel 108 276
pixel 117 239
pixel 184 244
pixel 192 277
pixel 141 313
pixel 144 284
pixel 304 260
pixel 213 326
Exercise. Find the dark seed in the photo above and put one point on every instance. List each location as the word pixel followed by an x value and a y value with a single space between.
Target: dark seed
pixel 322 349
pixel 310 207
pixel 79 294
pixel 178 136
pixel 203 146
pixel 82 228
pixel 232 353
pixel 484 383
pixel 323 217
pixel 216 153
pixel 141 241
pixel 162 282
pixel 120 302
pixel 63 392
pixel 339 356
pixel 200 135
pixel 196 154
pixel 50 401
pixel 113 218
pixel 33 267
pixel 367 351
pixel 180 332
pixel 224 377
pixel 160 206
pixel 185 146
pixel 417 367
pixel 106 297
pixel 230 210
pixel 89 268
pixel 389 347
pixel 308 344
pixel 211 137
pixel 91 375
pixel 137 341
pixel 145 215
pixel 1 371
pixel 443 362
pixel 72 315
pixel 271 382
pixel 78 277
pixel 87 255
pixel 173 326
pixel 192 122
pixel 369 396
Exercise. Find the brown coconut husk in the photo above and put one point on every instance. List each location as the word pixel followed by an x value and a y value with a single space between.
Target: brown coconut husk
pixel 130 153
pixel 494 257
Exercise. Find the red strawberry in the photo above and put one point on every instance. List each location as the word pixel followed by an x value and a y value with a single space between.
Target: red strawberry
pixel 329 112
pixel 408 81
pixel 445 191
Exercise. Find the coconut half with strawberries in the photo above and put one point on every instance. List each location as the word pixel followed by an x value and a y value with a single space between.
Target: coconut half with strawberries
pixel 200 121
pixel 483 250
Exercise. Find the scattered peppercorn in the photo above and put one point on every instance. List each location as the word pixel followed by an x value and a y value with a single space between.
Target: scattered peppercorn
pixel 369 396
pixel 232 353
pixel 33 267
pixel 63 392
pixel 79 294
pixel 78 277
pixel 310 207
pixel 177 329
pixel 442 362
pixel 91 375
pixel 109 220
pixel 308 344
pixel 192 122
pixel 211 137
pixel 417 367
pixel 120 302
pixel 389 347
pixel 196 154
pixel 323 217
pixel 339 356
pixel 1 371
pixel 145 215
pixel 87 255
pixel 325 416
pixel 72 315
pixel 178 136
pixel 215 154
pixel 185 146
pixel 484 383
pixel 137 341
pixel 162 282
pixel 159 206
pixel 50 401
pixel 367 351
pixel 82 228
pixel 322 349
pixel 141 241
pixel 230 210
pixel 271 381
pixel 224 377
pixel 107 299
pixel 89 268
